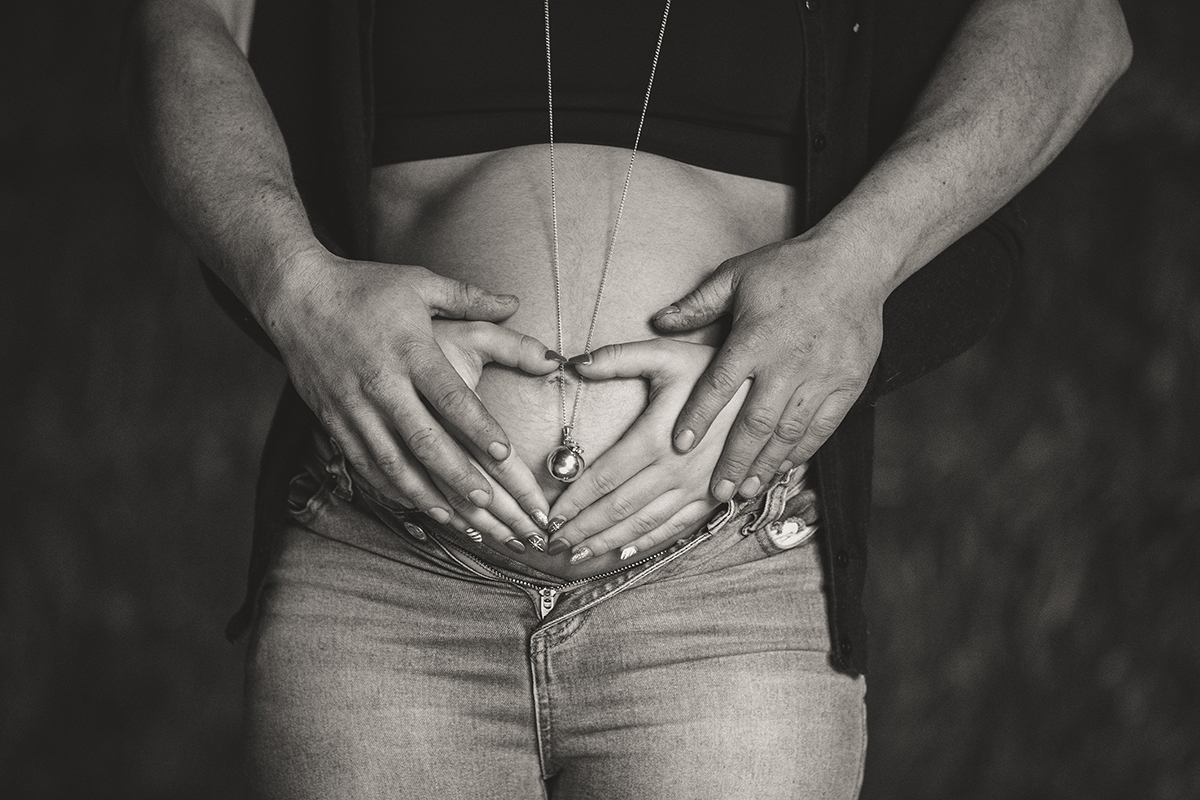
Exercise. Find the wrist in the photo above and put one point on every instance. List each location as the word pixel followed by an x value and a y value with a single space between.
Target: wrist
pixel 286 285
pixel 852 259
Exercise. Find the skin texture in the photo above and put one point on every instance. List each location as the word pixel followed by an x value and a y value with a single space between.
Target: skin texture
pixel 1018 79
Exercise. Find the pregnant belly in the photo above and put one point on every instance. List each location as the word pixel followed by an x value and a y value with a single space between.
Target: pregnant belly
pixel 486 219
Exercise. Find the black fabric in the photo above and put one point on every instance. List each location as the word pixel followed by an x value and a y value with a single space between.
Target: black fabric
pixel 469 76
pixel 864 68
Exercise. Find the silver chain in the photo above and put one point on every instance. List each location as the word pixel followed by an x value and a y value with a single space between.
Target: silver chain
pixel 568 427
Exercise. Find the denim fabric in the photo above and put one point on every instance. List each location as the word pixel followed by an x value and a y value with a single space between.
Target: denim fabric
pixel 388 661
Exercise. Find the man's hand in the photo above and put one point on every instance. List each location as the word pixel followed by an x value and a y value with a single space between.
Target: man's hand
pixel 807 325
pixel 359 343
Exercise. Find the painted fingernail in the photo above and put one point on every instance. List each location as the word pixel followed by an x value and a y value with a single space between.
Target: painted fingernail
pixel 439 514
pixel 537 542
pixel 415 531
pixel 554 524
pixel 665 312
pixel 480 498
pixel 474 535
pixel 557 546
pixel 786 466
pixel 498 451
pixel 750 487
pixel 723 490
pixel 581 554
pixel 515 544
pixel 552 355
pixel 628 553
pixel 540 518
pixel 684 440
pixel 581 360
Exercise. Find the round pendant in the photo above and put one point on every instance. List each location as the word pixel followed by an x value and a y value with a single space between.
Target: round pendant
pixel 565 463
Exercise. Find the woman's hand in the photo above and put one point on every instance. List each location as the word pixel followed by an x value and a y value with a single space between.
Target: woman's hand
pixel 468 346
pixel 807 327
pixel 358 341
pixel 641 491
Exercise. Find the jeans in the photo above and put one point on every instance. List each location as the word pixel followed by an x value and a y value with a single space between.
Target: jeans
pixel 387 661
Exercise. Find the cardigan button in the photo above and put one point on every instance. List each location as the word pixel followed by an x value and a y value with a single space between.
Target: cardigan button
pixel 841 559
pixel 845 648
pixel 818 142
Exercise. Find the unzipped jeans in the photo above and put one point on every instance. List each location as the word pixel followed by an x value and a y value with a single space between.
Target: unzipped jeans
pixel 388 661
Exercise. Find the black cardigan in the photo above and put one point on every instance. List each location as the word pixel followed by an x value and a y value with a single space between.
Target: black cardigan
pixel 865 66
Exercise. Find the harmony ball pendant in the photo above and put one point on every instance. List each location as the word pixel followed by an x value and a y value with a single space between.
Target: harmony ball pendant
pixel 565 462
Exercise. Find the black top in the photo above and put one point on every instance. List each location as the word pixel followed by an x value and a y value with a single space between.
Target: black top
pixel 469 76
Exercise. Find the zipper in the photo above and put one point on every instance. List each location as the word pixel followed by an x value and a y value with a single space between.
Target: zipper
pixel 547 594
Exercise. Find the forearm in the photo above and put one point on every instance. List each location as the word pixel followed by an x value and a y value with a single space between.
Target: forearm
pixel 1017 81
pixel 208 147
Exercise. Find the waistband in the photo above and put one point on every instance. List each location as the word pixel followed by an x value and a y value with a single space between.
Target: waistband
pixel 783 516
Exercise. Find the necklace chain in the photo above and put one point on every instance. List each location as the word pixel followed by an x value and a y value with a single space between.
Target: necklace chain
pixel 569 426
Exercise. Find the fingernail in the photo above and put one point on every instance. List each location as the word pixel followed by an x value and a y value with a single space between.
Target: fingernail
pixel 581 554
pixel 749 487
pixel 552 355
pixel 723 490
pixel 474 535
pixel 439 514
pixel 508 298
pixel 665 312
pixel 515 544
pixel 557 546
pixel 554 524
pixel 498 451
pixel 540 518
pixel 537 542
pixel 480 498
pixel 581 360
pixel 786 466
pixel 628 553
pixel 684 440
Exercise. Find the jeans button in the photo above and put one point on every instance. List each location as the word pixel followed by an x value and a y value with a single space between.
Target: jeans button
pixel 416 531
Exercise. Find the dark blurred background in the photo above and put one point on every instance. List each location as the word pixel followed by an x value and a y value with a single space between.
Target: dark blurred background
pixel 1033 596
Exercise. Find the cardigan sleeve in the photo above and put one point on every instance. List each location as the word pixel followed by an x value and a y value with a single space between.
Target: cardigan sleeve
pixel 949 304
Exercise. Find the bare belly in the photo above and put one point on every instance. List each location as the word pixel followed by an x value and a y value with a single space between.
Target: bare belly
pixel 485 218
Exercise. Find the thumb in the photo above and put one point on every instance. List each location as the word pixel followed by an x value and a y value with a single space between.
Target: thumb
pixel 513 349
pixel 455 299
pixel 699 307
pixel 652 359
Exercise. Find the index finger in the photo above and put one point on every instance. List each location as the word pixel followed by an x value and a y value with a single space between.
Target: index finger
pixel 713 391
pixel 440 384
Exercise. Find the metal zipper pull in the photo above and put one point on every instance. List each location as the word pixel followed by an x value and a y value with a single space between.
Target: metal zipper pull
pixel 546 604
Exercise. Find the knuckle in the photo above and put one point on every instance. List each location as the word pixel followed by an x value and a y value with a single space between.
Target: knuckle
pixel 789 430
pixel 375 382
pixel 721 379
pixel 390 464
pixel 758 422
pixel 423 443
pixel 621 508
pixel 823 427
pixel 452 400
pixel 642 524
pixel 604 482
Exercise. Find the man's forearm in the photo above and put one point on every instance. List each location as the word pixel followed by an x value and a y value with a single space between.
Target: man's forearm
pixel 208 146
pixel 1017 81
